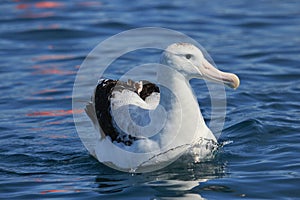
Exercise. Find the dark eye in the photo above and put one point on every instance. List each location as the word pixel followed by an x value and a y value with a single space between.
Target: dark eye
pixel 188 56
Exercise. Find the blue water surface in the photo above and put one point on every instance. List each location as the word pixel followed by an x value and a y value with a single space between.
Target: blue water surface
pixel 43 43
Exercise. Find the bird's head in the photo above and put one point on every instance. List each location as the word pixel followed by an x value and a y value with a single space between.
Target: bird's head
pixel 189 61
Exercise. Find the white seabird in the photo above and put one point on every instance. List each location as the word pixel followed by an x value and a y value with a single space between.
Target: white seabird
pixel 142 125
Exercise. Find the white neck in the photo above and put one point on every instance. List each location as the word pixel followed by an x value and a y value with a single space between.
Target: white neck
pixel 176 96
pixel 175 82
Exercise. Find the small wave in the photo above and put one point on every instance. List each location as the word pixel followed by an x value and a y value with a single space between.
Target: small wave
pixel 113 24
pixel 245 128
pixel 49 34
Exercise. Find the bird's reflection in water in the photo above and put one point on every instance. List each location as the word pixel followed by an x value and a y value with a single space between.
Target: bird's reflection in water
pixel 177 181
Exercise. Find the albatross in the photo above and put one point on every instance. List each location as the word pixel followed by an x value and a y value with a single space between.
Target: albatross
pixel 144 126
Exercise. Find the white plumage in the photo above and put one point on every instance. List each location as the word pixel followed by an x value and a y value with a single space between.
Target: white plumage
pixel 143 128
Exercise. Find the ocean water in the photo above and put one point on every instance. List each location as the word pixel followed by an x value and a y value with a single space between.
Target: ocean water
pixel 42 45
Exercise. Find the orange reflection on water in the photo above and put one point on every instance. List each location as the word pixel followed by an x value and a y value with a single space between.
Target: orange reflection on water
pixel 55 122
pixel 38 15
pixel 52 57
pixel 48 4
pixel 53 113
pixel 55 71
pixel 37 10
pixel 58 191
pixel 53 191
pixel 51 69
pixel 22 6
pixel 44 91
pixel 41 4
